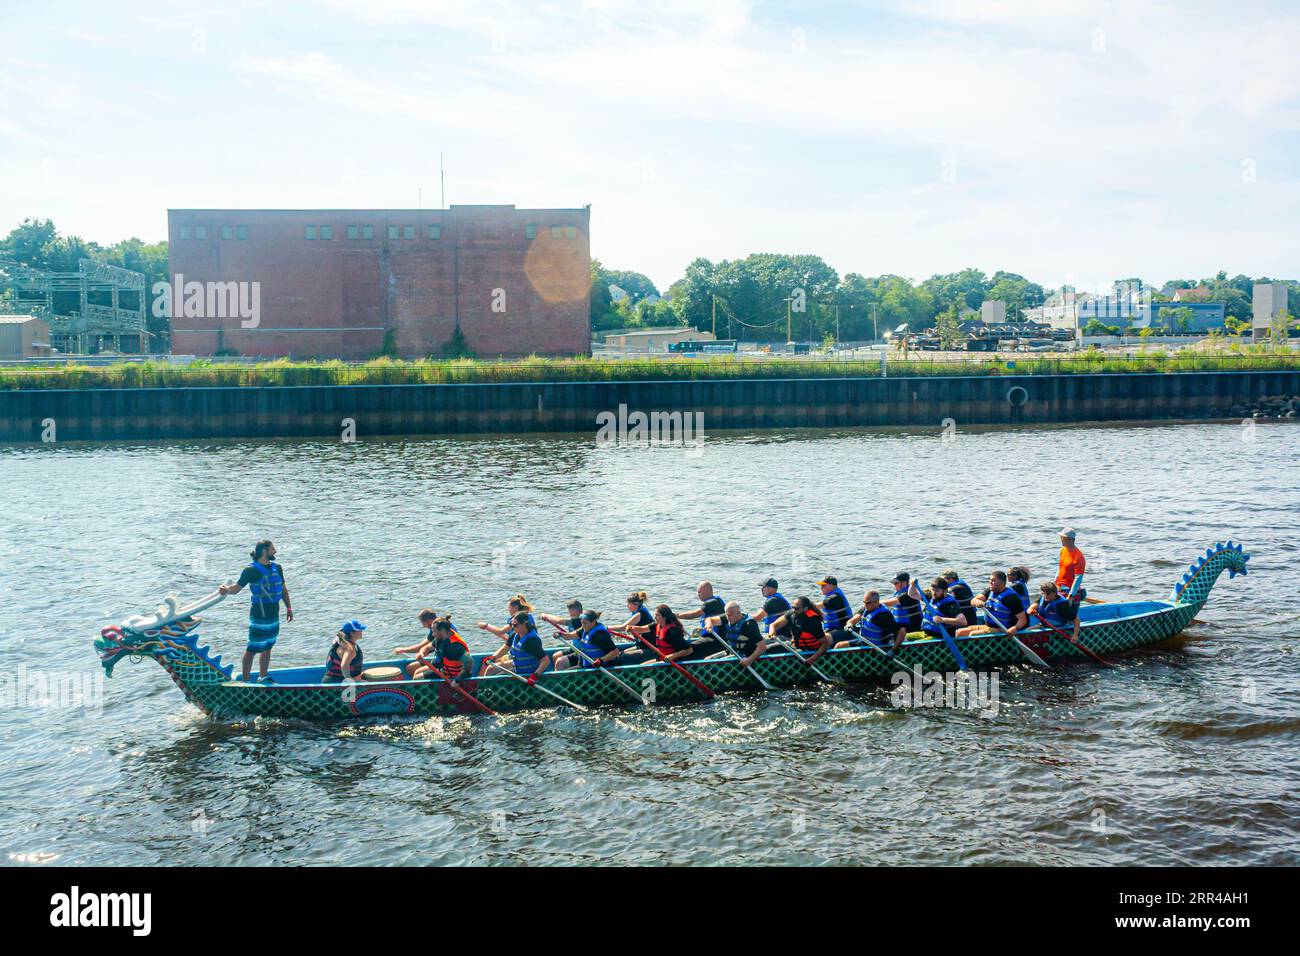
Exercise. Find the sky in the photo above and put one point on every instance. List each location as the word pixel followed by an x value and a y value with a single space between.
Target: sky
pixel 1069 141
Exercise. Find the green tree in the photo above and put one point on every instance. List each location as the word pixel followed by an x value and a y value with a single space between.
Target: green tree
pixel 948 327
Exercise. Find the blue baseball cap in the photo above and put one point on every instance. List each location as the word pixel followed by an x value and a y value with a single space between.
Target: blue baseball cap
pixel 353 625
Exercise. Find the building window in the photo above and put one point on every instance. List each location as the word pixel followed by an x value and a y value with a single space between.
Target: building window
pixel 186 232
pixel 570 232
pixel 241 232
pixel 394 232
pixel 327 232
pixel 310 232
pixel 435 232
pixel 408 232
pixel 200 232
pixel 557 232
pixel 353 232
pixel 367 232
pixel 227 232
pixel 530 232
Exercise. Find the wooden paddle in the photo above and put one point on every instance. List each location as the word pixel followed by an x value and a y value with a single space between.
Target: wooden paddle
pixel 705 689
pixel 736 654
pixel 457 688
pixel 808 664
pixel 534 683
pixel 1024 648
pixel 1070 637
pixel 601 667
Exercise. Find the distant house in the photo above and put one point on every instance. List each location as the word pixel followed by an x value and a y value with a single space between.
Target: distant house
pixel 23 336
pixel 1200 293
pixel 655 340
pixel 617 293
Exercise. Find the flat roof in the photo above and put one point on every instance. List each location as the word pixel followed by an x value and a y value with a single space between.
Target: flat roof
pixel 17 319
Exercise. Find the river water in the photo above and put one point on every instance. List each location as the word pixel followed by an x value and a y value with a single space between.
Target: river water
pixel 1183 755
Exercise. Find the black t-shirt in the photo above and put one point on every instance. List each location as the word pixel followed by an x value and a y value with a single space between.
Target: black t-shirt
pixel 713 607
pixel 775 606
pixel 748 637
pixel 800 623
pixel 575 623
pixel 836 602
pixel 251 575
pixel 962 594
pixel 532 644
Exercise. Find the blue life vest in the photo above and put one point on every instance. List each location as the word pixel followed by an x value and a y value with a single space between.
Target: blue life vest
pixel 832 617
pixel 967 609
pixel 934 627
pixel 1051 611
pixel 1000 611
pixel 911 619
pixel 1022 589
pixel 705 629
pixel 268 588
pixel 584 642
pixel 645 619
pixel 525 663
pixel 768 619
pixel 870 631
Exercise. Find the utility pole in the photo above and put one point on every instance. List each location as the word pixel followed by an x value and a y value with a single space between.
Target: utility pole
pixel 789 330
pixel 875 329
pixel 442 184
pixel 715 314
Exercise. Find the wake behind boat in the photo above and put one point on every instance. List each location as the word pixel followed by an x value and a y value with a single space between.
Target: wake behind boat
pixel 170 636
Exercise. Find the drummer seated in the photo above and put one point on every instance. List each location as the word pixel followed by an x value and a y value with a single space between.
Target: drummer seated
pixel 345 658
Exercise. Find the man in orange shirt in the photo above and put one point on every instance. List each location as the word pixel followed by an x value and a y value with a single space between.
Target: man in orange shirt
pixel 1070 565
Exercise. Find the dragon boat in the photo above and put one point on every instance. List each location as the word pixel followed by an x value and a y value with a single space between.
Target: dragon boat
pixel 171 637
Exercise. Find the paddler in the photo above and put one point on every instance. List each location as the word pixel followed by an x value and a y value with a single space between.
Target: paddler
pixel 962 593
pixel 265 581
pixel 446 650
pixel 1018 581
pixel 947 611
pixel 906 609
pixel 774 602
pixel 1059 612
pixel 710 606
pixel 666 633
pixel 522 652
pixel 570 624
pixel 835 609
pixel 641 615
pixel 515 606
pixel 802 626
pixel 875 623
pixel 1003 604
pixel 741 632
pixel 424 648
pixel 595 641
pixel 1070 565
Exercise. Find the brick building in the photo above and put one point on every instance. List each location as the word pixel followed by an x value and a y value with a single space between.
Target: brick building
pixel 349 283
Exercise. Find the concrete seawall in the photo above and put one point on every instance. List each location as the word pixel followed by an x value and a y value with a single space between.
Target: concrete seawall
pixel 266 412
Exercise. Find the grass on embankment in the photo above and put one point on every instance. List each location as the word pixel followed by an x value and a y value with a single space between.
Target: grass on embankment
pixel 205 374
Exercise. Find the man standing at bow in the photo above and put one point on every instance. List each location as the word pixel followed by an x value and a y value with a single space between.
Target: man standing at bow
pixel 265 581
